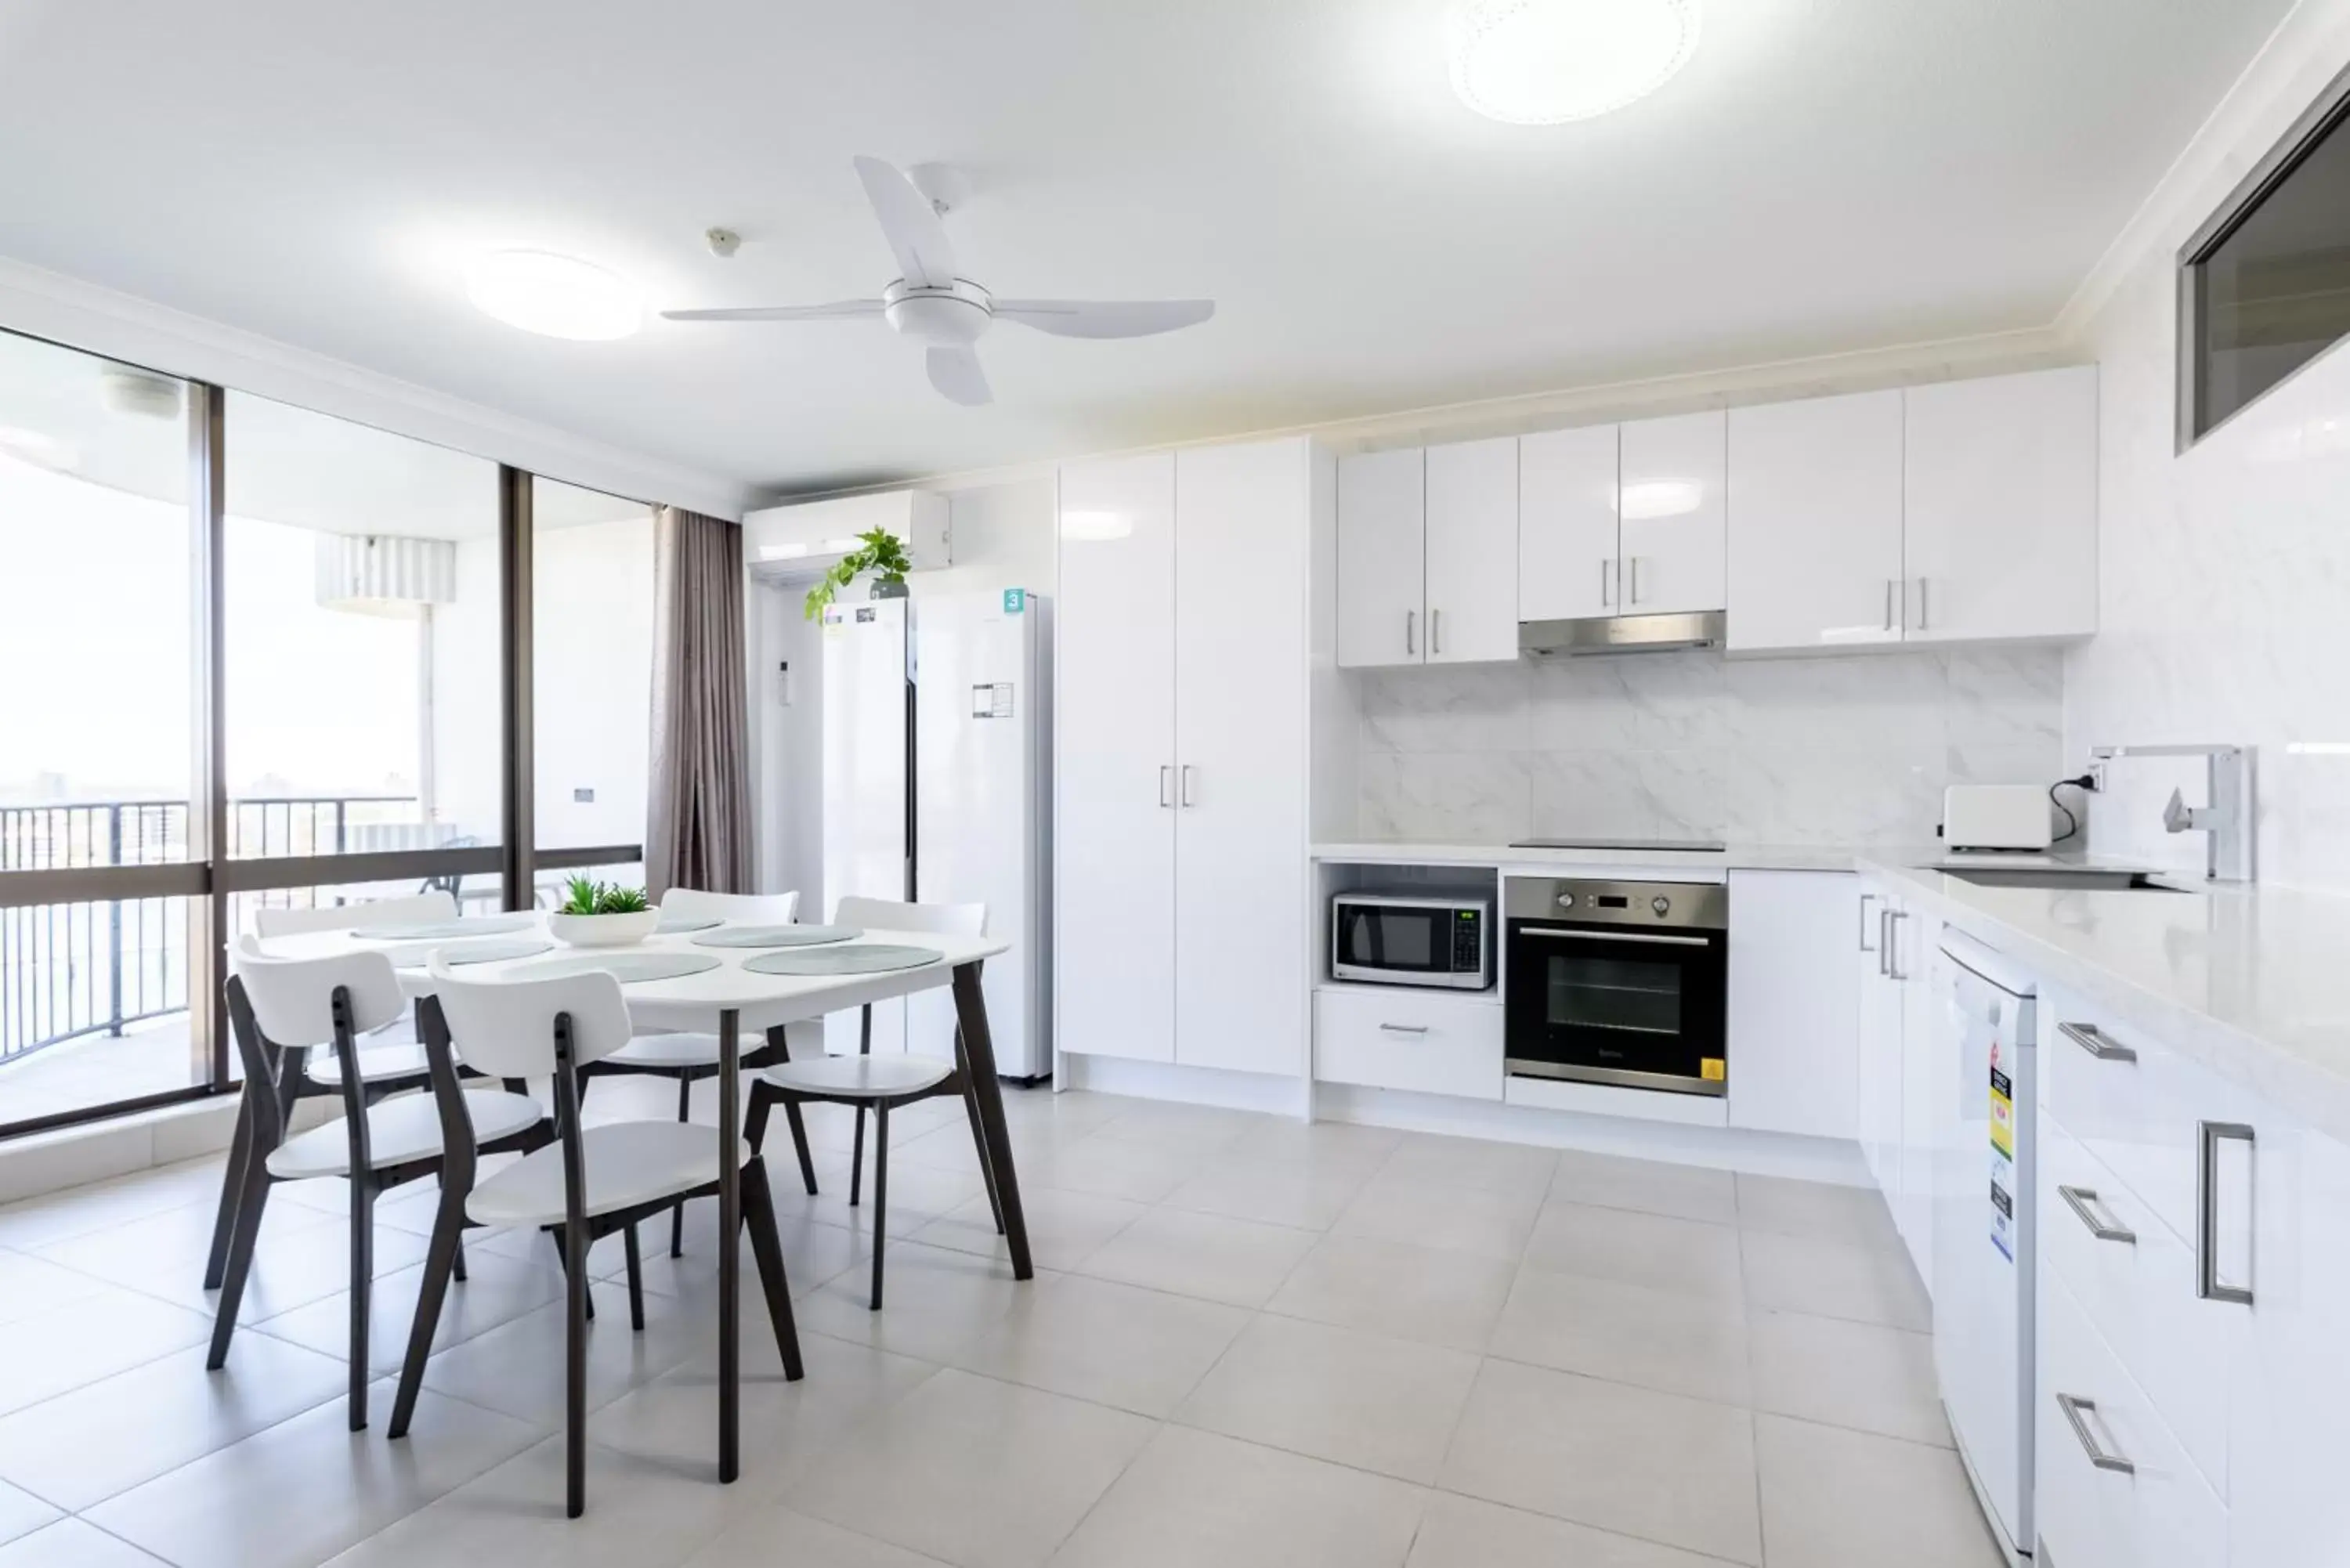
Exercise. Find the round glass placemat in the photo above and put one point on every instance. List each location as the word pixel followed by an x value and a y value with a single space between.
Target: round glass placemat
pixel 778 936
pixel 627 968
pixel 678 924
pixel 434 930
pixel 872 958
pixel 488 950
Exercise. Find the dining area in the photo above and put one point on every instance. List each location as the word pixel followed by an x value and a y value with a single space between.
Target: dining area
pixel 515 1019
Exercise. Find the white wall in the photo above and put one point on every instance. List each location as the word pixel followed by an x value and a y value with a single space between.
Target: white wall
pixel 593 656
pixel 1777 751
pixel 2225 579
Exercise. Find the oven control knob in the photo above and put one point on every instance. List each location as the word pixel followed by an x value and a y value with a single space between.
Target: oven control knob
pixel 1566 900
pixel 1662 905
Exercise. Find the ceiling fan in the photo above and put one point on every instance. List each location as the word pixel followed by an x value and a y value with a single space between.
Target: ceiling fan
pixel 931 302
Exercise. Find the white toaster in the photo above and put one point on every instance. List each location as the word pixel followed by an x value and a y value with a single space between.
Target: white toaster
pixel 1995 817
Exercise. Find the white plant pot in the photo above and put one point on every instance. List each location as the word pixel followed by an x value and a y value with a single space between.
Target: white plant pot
pixel 602 930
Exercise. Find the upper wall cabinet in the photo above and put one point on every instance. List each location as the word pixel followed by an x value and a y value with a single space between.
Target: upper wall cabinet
pixel 1428 555
pixel 1567 537
pixel 1999 506
pixel 1673 482
pixel 1815 524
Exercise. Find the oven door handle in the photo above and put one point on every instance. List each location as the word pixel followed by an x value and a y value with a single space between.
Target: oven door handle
pixel 1578 933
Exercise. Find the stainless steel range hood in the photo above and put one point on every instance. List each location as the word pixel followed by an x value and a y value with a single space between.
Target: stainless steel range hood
pixel 1621 634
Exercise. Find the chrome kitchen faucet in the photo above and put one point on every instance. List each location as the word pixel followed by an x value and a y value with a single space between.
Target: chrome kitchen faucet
pixel 2226 816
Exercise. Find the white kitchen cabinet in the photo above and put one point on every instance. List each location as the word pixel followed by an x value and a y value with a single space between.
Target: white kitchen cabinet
pixel 1114 782
pixel 1241 565
pixel 1567 531
pixel 1999 506
pixel 1673 478
pixel 1878 1077
pixel 1929 1075
pixel 1473 551
pixel 1398 1037
pixel 1382 558
pixel 1815 525
pixel 1794 1013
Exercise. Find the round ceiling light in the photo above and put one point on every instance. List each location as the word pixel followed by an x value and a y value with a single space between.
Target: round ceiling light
pixel 1545 62
pixel 555 295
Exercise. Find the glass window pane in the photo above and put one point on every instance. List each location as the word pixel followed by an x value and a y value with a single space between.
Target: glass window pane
pixel 94 610
pixel 592 662
pixel 2276 291
pixel 93 1006
pixel 363 609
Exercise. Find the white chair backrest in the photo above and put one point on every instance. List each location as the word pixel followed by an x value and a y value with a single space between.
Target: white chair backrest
pixel 889 915
pixel 293 999
pixel 434 905
pixel 506 1028
pixel 746 909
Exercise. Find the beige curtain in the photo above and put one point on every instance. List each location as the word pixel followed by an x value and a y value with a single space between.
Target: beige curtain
pixel 698 833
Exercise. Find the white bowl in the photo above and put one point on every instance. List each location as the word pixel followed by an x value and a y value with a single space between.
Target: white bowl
pixel 602 930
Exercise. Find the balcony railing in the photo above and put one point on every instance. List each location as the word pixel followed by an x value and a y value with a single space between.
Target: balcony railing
pixel 73 970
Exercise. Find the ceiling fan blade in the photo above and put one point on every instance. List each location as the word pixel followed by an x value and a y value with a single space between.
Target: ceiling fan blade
pixel 956 374
pixel 909 223
pixel 1106 318
pixel 839 309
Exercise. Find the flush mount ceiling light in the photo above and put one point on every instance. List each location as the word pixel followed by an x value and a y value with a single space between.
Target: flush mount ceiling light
pixel 1545 62
pixel 555 296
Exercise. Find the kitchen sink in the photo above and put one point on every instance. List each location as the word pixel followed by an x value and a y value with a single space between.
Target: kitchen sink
pixel 2082 880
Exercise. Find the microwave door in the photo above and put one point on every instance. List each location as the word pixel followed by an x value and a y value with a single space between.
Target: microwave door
pixel 1394 942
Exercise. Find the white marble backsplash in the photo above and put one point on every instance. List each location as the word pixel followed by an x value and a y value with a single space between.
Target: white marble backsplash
pixel 1851 749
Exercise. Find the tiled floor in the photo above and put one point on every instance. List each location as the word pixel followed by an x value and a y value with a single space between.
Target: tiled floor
pixel 1249 1342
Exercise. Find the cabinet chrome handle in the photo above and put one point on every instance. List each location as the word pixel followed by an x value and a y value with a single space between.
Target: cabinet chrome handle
pixel 1185 796
pixel 1412 631
pixel 1403 1028
pixel 1884 939
pixel 1167 785
pixel 1889 585
pixel 2078 1199
pixel 2077 1411
pixel 1893 969
pixel 1605 598
pixel 1436 631
pixel 1587 934
pixel 1865 900
pixel 1636 579
pixel 2091 1039
pixel 2207 1211
pixel 1922 618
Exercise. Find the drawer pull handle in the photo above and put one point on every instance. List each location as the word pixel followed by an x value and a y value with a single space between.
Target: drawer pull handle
pixel 1404 1028
pixel 2078 1412
pixel 2207 1212
pixel 2091 1039
pixel 2078 1199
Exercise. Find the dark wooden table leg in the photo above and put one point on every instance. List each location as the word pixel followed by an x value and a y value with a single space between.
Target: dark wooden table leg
pixel 729 1235
pixel 979 1060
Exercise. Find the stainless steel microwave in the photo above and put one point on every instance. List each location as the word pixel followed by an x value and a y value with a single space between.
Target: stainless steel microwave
pixel 1402 939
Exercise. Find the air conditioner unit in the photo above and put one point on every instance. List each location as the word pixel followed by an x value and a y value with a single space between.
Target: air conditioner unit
pixel 801 542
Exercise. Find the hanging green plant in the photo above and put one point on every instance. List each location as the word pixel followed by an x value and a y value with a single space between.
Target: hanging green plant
pixel 878 551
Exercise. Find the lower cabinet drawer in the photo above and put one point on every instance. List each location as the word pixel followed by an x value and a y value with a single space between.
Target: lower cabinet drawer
pixel 2135 1280
pixel 2112 1487
pixel 1399 1038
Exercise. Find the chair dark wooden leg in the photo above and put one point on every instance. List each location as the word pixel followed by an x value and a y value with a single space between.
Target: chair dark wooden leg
pixel 857 1144
pixel 768 1251
pixel 800 1142
pixel 240 1149
pixel 575 1376
pixel 880 1192
pixel 444 1258
pixel 677 1214
pixel 979 1142
pixel 239 1266
pixel 457 1269
pixel 563 1256
pixel 754 1116
pixel 362 1289
pixel 636 1282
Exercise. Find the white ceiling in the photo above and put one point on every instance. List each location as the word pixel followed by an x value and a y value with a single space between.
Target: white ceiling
pixel 1824 175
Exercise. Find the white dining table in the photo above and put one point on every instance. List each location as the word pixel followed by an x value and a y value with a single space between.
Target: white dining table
pixel 726 1000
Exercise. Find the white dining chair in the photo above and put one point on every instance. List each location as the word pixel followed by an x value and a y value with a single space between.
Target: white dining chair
pixel 691 1058
pixel 879 1083
pixel 383 1068
pixel 280 1007
pixel 589 1182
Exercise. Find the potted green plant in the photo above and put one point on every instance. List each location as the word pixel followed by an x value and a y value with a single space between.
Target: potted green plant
pixel 878 551
pixel 601 915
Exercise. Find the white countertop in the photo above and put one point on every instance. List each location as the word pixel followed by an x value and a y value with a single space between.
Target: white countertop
pixel 2252 982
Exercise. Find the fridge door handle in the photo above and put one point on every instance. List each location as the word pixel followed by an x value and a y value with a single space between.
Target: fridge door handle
pixel 1167 785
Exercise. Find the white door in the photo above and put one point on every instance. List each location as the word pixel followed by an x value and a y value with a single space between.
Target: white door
pixel 1672 479
pixel 1114 759
pixel 1382 559
pixel 1925 1084
pixel 1566 523
pixel 1241 593
pixel 2001 507
pixel 1794 1013
pixel 1869 1054
pixel 1473 551
pixel 1815 527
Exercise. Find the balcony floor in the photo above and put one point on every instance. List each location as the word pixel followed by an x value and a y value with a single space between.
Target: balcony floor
pixel 150 1058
